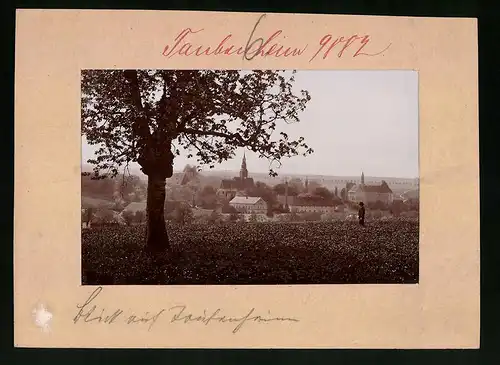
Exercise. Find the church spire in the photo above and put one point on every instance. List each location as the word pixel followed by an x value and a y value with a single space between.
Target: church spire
pixel 362 178
pixel 244 161
pixel 243 170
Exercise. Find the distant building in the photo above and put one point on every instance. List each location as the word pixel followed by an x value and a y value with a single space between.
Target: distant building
pixel 200 212
pixel 246 204
pixel 135 207
pixel 170 205
pixel 397 198
pixel 370 193
pixel 229 188
pixel 178 178
pixel 308 203
pixel 182 178
pixel 411 198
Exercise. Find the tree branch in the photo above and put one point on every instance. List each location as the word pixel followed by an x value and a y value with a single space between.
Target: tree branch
pixel 231 136
pixel 139 124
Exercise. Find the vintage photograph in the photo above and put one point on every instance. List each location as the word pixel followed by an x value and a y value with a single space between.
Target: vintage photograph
pixel 262 177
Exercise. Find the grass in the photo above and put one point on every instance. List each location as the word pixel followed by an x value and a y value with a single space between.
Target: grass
pixel 258 253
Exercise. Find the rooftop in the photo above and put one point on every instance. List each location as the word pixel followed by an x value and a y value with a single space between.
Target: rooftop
pixel 178 178
pixel 237 184
pixel 245 200
pixel 135 207
pixel 313 203
pixel 410 194
pixel 382 188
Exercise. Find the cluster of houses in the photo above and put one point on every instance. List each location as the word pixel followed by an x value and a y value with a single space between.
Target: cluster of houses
pixel 304 202
pixel 234 191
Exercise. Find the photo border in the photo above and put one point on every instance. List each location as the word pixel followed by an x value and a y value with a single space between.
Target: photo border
pixel 488 252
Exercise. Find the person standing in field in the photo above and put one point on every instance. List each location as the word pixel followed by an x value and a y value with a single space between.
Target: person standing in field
pixel 361 214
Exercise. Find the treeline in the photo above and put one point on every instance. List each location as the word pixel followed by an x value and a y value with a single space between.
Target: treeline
pixel 122 188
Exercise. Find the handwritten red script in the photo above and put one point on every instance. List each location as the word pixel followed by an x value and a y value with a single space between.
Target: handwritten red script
pixel 273 45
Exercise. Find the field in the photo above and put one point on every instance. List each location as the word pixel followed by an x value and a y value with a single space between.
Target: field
pixel 256 253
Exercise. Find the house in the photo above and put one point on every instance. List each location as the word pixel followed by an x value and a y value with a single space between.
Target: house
pixel 170 205
pixel 397 198
pixel 135 207
pixel 178 178
pixel 370 193
pixel 229 188
pixel 411 199
pixel 411 196
pixel 182 178
pixel 308 203
pixel 200 212
pixel 246 204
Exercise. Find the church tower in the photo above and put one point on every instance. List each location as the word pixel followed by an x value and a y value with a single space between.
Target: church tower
pixel 362 178
pixel 243 170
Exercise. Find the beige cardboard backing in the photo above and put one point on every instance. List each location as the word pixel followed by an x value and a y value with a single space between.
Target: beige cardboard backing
pixel 442 311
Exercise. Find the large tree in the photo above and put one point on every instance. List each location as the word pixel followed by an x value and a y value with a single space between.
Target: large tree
pixel 150 116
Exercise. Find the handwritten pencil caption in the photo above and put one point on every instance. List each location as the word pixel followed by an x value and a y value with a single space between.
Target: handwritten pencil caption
pixel 353 45
pixel 90 313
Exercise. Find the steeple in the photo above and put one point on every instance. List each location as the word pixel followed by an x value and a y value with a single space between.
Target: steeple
pixel 243 170
pixel 244 161
pixel 362 178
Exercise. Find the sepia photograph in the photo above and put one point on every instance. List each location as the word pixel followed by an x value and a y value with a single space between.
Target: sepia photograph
pixel 258 177
pixel 328 199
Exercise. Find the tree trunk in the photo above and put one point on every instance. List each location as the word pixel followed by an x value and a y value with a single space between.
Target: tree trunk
pixel 157 238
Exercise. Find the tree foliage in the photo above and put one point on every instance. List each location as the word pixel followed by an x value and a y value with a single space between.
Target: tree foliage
pixel 253 218
pixel 141 116
pixel 263 191
pixel 280 189
pixel 313 185
pixel 297 184
pixel 343 194
pixel 151 116
pixel 207 197
pixel 182 214
pixel 323 193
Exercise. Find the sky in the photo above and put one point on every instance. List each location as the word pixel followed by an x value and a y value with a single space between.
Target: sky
pixel 355 121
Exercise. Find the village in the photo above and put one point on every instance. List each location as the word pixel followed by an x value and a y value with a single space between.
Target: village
pixel 193 197
pixel 258 177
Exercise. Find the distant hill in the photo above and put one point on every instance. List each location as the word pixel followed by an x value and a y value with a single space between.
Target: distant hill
pixel 398 185
pixel 214 177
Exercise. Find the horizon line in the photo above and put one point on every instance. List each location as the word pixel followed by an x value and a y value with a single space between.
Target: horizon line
pixel 280 174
